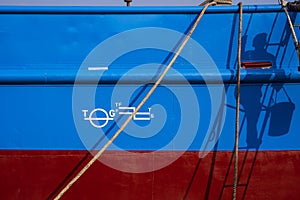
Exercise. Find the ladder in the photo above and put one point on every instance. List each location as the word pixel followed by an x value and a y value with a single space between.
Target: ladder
pixel 249 157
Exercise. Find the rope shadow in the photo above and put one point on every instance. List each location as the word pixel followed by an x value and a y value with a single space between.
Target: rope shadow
pixel 134 100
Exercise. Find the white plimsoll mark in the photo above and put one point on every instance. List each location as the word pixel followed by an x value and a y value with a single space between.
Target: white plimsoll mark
pixel 142 116
pixel 109 115
pixel 92 119
pixel 97 68
pixel 127 110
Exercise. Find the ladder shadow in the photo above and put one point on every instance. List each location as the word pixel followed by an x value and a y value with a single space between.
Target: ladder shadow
pixel 246 152
pixel 214 136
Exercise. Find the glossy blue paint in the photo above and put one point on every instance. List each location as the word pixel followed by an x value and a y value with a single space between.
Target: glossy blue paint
pixel 40 117
pixel 42 49
pixel 50 46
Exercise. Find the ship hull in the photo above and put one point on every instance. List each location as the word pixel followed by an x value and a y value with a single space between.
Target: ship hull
pixel 41 174
pixel 71 76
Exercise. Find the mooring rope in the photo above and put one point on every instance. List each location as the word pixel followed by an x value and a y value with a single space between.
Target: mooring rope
pixel 237 112
pixel 219 2
pixel 296 43
pixel 99 153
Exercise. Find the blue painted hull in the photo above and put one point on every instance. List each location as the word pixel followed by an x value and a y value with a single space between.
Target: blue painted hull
pixel 69 77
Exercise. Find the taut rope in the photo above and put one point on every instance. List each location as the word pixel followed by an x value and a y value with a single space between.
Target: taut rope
pixel 237 112
pixel 99 153
pixel 219 2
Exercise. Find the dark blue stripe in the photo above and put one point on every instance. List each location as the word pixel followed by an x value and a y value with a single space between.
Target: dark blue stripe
pixel 123 10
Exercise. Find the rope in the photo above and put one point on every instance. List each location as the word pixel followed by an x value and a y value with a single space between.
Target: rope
pixel 237 113
pixel 87 166
pixel 296 43
pixel 219 2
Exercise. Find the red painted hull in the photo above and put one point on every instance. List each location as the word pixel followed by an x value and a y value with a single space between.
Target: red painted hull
pixel 41 174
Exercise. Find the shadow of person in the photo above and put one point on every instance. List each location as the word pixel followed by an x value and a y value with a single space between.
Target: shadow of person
pixel 251 94
pixel 260 52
